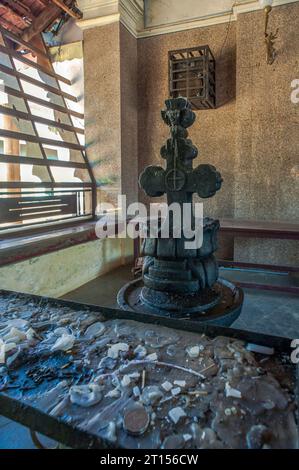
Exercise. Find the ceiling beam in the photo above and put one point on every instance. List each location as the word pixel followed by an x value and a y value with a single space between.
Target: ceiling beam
pixel 19 7
pixel 14 16
pixel 8 25
pixel 41 22
pixel 77 15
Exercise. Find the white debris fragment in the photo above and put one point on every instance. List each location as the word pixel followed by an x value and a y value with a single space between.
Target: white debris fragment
pixel 180 383
pixel 193 352
pixel 126 380
pixel 175 414
pixel 2 352
pixel 136 391
pixel 110 433
pixel 61 330
pixel 115 393
pixel 227 412
pixel 167 386
pixel 176 391
pixel 134 375
pixel 140 351
pixel 64 343
pixel 17 323
pixel 232 392
pixel 257 348
pixel 115 349
pixel 30 334
pixel 152 357
pixel 95 330
pixel 15 335
pixel 187 437
pixel 85 395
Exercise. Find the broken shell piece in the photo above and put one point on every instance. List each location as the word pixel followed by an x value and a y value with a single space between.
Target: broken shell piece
pixel 86 395
pixel 140 352
pixel 134 375
pixel 30 334
pixel 115 393
pixel 61 331
pixel 2 352
pixel 136 420
pixel 232 392
pixel 180 383
pixel 175 414
pixel 193 351
pixel 126 380
pixel 187 437
pixel 5 348
pixel 152 357
pixel 115 349
pixel 95 330
pixel 17 323
pixel 110 432
pixel 136 392
pixel 15 335
pixel 64 343
pixel 151 394
pixel 176 391
pixel 107 363
pixel 167 386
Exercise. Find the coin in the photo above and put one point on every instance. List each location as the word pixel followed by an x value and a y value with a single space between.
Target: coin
pixel 136 420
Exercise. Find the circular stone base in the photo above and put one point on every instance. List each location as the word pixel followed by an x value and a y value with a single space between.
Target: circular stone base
pixel 223 307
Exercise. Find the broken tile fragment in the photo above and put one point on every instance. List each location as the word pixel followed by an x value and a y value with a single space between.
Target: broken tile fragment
pixel 175 414
pixel 115 349
pixel 167 386
pixel 193 352
pixel 232 392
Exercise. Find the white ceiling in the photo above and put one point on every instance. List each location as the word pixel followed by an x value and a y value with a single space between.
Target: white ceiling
pixel 159 12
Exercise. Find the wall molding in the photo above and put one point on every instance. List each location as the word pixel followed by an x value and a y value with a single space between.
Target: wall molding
pixel 131 14
pixel 102 12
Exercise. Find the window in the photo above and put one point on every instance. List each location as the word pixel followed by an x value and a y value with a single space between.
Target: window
pixel 44 171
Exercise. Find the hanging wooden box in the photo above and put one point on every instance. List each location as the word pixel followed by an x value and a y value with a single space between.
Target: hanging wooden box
pixel 192 75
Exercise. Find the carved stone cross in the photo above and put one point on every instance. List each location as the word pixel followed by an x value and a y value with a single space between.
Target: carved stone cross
pixel 179 180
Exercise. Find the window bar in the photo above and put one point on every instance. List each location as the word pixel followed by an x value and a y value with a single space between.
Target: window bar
pixel 29 111
pixel 94 193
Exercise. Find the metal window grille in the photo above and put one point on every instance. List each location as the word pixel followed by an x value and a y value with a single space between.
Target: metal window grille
pixel 44 172
pixel 192 75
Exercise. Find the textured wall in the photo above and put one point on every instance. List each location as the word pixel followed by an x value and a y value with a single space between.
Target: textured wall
pixel 267 147
pixel 129 115
pixel 110 68
pixel 60 272
pixel 252 138
pixel 101 49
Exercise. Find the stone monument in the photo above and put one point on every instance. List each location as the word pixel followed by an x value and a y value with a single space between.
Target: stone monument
pixel 178 281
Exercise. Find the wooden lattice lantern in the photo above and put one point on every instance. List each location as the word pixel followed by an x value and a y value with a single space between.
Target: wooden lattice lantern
pixel 192 75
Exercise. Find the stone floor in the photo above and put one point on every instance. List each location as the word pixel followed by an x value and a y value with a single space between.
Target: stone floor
pixel 271 312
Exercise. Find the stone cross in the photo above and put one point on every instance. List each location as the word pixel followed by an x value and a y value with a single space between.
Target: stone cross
pixel 179 180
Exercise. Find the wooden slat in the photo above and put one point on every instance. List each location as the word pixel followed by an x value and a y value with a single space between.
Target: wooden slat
pixel 47 104
pixel 21 42
pixel 21 115
pixel 45 184
pixel 20 57
pixel 35 82
pixel 8 24
pixel 13 209
pixel 40 161
pixel 35 139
